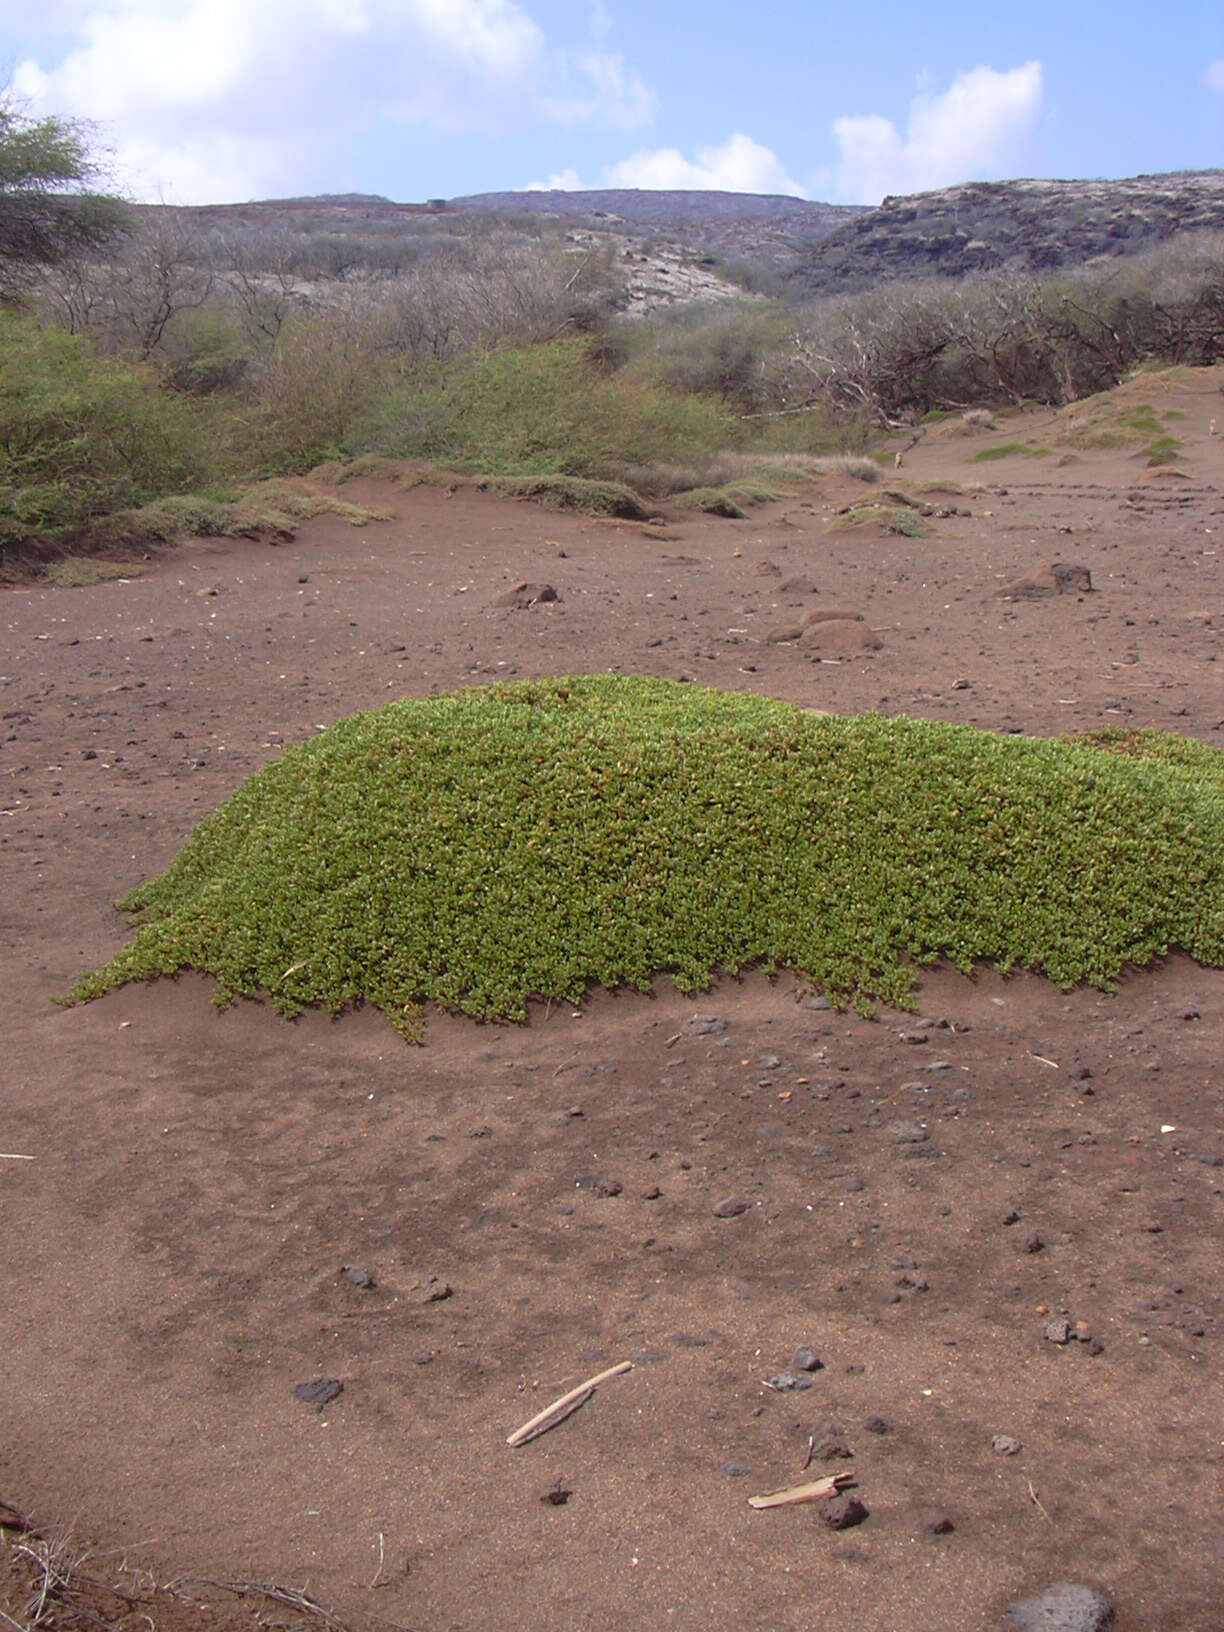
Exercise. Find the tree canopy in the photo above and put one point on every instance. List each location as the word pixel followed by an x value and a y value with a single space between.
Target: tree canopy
pixel 48 208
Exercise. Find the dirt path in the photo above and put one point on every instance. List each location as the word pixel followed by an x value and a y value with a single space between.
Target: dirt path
pixel 535 1203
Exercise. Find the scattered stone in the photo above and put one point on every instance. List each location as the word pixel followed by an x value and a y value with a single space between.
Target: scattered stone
pixel 705 1025
pixel 435 1290
pixel 734 1470
pixel 840 637
pixel 1058 578
pixel 1190 1012
pixel 1065 1607
pixel 914 1037
pixel 819 1002
pixel 788 1382
pixel 523 595
pixel 829 614
pixel 1032 1243
pixel 731 1208
pixel 853 1184
pixel 358 1277
pixel 843 1512
pixel 936 1524
pixel 1058 1331
pixel 1012 1216
pixel 829 1444
pixel 806 1359
pixel 1006 1445
pixel 557 1494
pixel 907 1133
pixel 876 1425
pixel 319 1392
pixel 653 1194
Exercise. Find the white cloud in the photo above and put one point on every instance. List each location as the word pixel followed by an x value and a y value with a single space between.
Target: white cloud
pixel 980 126
pixel 1215 76
pixel 565 181
pixel 225 99
pixel 740 165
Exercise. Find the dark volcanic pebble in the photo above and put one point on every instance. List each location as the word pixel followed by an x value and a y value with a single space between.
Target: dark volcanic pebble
pixel 320 1391
pixel 788 1382
pixel 706 1025
pixel 731 1208
pixel 876 1425
pixel 556 1495
pixel 734 1470
pixel 843 1511
pixel 1064 1607
pixel 358 1277
pixel 1032 1243
pixel 806 1359
pixel 936 1524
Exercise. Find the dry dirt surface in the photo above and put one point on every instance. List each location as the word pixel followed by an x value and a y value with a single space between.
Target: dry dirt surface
pixel 205 1210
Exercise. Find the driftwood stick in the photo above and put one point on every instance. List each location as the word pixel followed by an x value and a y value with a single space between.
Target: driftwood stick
pixel 562 1408
pixel 817 1491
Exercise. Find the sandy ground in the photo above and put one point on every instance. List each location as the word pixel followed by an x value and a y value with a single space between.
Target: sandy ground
pixel 535 1203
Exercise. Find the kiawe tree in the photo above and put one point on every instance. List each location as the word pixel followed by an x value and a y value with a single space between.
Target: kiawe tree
pixel 49 205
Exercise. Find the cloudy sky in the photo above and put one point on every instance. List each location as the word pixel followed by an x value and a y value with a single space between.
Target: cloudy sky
pixel 219 100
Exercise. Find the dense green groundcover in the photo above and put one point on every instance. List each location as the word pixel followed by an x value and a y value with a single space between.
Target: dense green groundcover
pixel 491 846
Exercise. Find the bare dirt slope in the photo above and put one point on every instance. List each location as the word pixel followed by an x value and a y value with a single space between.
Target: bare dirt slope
pixel 922 1197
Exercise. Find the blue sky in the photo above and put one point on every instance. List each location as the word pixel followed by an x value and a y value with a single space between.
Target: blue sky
pixel 218 100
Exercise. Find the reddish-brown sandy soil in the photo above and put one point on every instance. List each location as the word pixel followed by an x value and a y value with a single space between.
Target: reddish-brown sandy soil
pixel 173 1248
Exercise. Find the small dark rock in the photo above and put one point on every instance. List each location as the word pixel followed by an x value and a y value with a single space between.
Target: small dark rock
pixel 731 1208
pixel 1032 1243
pixel 1006 1445
pixel 1064 1607
pixel 876 1425
pixel 806 1359
pixel 706 1025
pixel 557 1494
pixel 435 1290
pixel 788 1382
pixel 843 1512
pixel 936 1524
pixel 358 1277
pixel 734 1470
pixel 320 1391
pixel 653 1194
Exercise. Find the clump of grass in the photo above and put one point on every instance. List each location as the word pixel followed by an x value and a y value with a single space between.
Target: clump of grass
pixel 1006 450
pixel 712 501
pixel 277 507
pixel 492 846
pixel 80 571
pixel 884 518
pixel 587 497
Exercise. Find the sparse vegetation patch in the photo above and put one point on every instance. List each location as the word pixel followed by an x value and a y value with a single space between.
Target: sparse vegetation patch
pixel 488 847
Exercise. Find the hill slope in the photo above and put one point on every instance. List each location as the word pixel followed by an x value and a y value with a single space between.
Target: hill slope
pixel 1036 224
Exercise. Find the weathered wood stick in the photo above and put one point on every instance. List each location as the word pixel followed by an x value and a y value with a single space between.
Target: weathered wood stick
pixel 562 1408
pixel 817 1491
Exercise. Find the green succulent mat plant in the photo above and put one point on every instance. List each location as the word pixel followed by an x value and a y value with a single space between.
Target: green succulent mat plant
pixel 490 846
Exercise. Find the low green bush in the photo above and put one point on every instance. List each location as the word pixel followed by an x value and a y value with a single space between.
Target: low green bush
pixel 487 847
pixel 84 435
pixel 538 410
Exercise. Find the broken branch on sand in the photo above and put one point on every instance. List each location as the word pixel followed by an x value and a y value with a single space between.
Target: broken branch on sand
pixel 817 1491
pixel 565 1406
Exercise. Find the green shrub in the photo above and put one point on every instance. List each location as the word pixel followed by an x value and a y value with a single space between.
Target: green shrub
pixel 83 434
pixel 525 841
pixel 538 410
